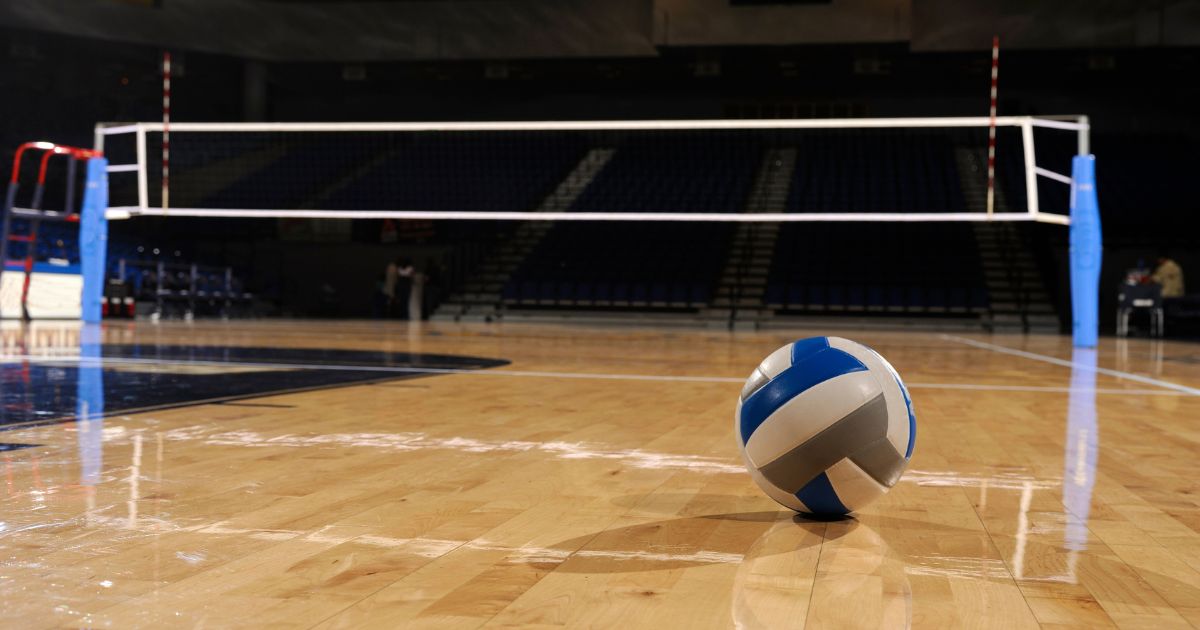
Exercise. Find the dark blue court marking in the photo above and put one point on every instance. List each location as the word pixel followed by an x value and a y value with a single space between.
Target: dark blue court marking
pixel 34 394
pixel 5 446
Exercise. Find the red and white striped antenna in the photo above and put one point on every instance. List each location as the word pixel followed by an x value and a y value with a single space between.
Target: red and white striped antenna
pixel 991 162
pixel 166 135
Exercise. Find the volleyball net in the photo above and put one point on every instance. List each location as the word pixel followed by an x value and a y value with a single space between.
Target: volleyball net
pixel 611 213
pixel 879 170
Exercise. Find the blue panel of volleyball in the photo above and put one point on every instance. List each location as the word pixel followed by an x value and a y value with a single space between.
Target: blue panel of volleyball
pixel 825 425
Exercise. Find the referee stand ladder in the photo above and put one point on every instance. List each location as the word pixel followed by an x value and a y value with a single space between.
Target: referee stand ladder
pixel 19 229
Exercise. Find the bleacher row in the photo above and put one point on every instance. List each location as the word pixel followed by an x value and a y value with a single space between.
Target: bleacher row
pixel 662 265
pixel 666 265
pixel 925 268
pixel 879 172
pixel 147 280
pixel 653 264
pixel 873 267
pixel 495 173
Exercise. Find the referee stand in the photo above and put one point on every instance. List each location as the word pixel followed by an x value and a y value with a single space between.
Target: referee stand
pixel 20 224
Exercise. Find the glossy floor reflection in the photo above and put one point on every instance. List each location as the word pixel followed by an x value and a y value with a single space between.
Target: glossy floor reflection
pixel 60 383
pixel 592 482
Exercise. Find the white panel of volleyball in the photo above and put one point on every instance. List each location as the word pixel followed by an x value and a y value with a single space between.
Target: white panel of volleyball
pixel 136 165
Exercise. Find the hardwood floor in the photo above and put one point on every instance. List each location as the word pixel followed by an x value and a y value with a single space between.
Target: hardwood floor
pixel 593 481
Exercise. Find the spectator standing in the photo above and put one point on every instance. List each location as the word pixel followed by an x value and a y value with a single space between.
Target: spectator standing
pixel 416 290
pixel 405 275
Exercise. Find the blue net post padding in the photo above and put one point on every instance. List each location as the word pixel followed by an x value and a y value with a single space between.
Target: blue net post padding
pixel 93 239
pixel 1086 252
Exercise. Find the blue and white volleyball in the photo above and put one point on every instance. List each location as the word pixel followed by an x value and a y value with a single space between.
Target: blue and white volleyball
pixel 825 425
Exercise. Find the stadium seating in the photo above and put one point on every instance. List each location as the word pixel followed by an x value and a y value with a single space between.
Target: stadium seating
pixel 491 172
pixel 685 173
pixel 877 171
pixel 926 268
pixel 875 267
pixel 658 264
pixel 614 264
pixel 163 281
pixel 302 171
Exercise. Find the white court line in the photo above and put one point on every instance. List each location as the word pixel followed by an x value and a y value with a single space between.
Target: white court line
pixel 1192 391
pixel 547 374
pixel 1043 388
pixel 401 442
pixel 382 368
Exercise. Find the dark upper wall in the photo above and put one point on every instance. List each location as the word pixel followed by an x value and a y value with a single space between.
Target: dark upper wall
pixel 719 23
pixel 355 31
pixel 1112 85
pixel 970 24
pixel 380 30
pixel 943 25
pixel 57 87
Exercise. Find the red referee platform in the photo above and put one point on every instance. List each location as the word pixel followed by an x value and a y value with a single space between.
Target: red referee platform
pixel 69 286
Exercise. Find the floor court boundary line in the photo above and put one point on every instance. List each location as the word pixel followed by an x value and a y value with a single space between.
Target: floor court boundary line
pixel 101 362
pixel 1050 389
pixel 1045 358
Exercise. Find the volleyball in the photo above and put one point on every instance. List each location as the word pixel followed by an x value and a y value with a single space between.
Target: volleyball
pixel 825 425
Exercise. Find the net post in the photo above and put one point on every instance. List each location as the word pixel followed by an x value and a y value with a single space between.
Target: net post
pixel 93 239
pixel 1085 135
pixel 69 201
pixel 143 182
pixel 1031 192
pixel 98 138
pixel 1086 252
pixel 991 157
pixel 166 130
